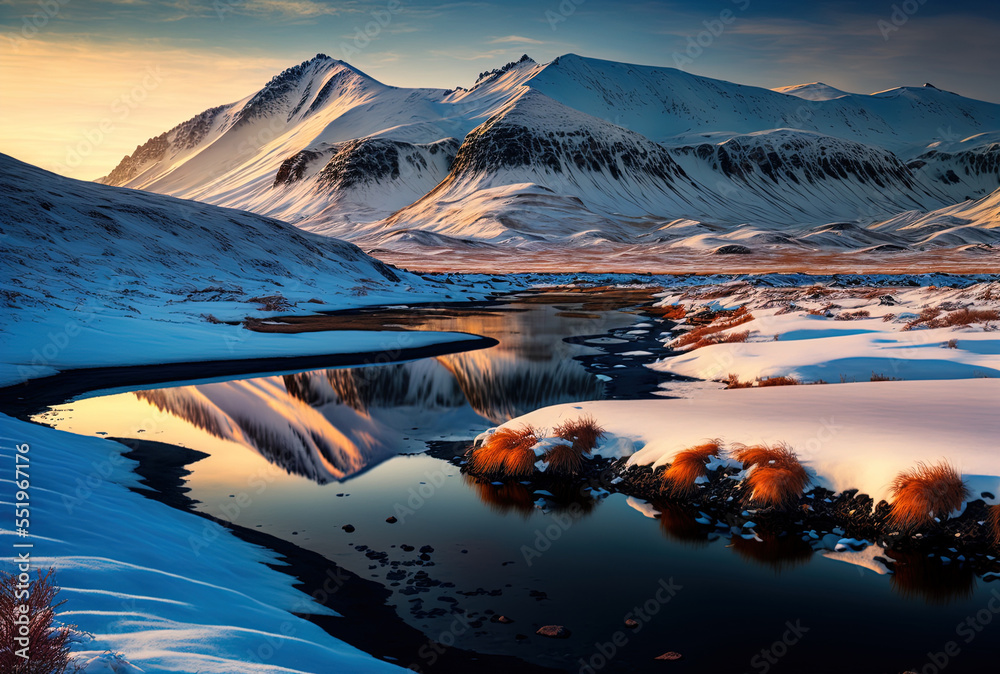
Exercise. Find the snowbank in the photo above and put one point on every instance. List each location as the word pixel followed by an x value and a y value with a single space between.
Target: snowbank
pixel 169 591
pixel 849 436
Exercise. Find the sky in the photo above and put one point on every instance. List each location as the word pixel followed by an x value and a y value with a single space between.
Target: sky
pixel 83 82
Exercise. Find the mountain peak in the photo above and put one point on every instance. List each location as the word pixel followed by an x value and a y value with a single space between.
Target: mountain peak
pixel 496 72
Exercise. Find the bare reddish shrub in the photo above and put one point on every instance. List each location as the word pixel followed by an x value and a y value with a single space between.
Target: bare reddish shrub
pixel 48 645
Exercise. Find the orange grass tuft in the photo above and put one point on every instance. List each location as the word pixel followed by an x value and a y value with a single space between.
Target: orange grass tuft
pixel 688 465
pixel 564 460
pixel 583 433
pixel 507 452
pixel 993 521
pixel 920 494
pixel 777 478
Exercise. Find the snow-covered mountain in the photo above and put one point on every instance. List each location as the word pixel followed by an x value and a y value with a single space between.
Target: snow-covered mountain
pixel 578 151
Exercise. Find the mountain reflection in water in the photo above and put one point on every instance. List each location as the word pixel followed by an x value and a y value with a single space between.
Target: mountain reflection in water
pixel 328 425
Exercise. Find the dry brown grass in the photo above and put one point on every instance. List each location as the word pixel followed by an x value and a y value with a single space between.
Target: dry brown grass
pixel 931 318
pixel 689 465
pixel 272 302
pixel 718 322
pixel 882 377
pixel 993 521
pixel 925 492
pixel 671 312
pixel 968 317
pixel 564 460
pixel 582 432
pixel 852 315
pixel 733 381
pixel 48 644
pixel 777 478
pixel 731 338
pixel 778 381
pixel 507 452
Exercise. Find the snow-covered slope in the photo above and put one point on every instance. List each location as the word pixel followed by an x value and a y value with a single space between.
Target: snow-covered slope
pixel 578 151
pixel 813 91
pixel 96 275
pixel 159 590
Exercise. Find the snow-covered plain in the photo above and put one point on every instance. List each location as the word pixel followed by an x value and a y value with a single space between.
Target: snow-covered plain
pixel 843 334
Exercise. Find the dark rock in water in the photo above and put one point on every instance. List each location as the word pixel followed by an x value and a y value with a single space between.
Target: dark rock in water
pixel 520 637
pixel 502 619
pixel 391 519
pixel 669 655
pixel 406 548
pixel 349 528
pixel 632 622
pixel 426 548
pixel 554 632
pixel 424 556
pixel 732 249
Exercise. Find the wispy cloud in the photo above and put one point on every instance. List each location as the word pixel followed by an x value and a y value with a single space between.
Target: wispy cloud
pixel 514 39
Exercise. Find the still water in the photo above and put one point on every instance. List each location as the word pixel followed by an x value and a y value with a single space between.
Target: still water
pixel 303 455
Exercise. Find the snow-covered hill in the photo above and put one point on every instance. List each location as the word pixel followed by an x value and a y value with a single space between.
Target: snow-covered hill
pixel 576 152
pixel 96 275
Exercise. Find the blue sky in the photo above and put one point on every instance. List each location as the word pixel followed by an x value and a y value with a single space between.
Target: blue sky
pixel 66 63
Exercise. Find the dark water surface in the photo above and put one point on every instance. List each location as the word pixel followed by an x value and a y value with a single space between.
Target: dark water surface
pixel 302 455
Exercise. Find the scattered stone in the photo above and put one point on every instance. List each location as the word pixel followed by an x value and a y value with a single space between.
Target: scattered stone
pixel 349 528
pixel 426 549
pixel 632 622
pixel 554 632
pixel 391 519
pixel 502 619
pixel 407 548
pixel 669 655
